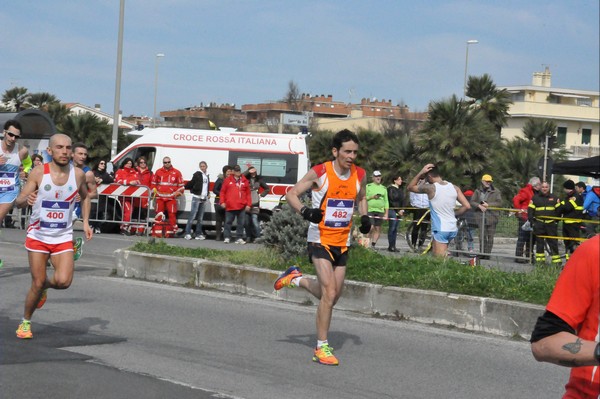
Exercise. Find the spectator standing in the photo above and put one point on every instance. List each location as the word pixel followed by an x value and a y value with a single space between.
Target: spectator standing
pixel 442 197
pixel 524 235
pixel 145 180
pixel 80 156
pixel 469 219
pixel 543 204
pixel 258 189
pixel 484 197
pixel 591 204
pixel 128 176
pixel 198 186
pixel 571 208
pixel 420 204
pixel 167 184
pixel 219 210
pixel 567 334
pixel 396 200
pixel 235 198
pixel 378 204
pixel 102 177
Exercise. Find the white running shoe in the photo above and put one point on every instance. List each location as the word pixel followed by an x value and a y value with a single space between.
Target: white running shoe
pixel 226 241
pixel 240 241
pixel 188 237
pixel 200 237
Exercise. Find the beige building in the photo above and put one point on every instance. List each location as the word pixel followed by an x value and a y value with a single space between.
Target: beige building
pixel 576 114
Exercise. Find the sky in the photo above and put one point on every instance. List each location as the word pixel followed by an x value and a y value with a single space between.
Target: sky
pixel 247 52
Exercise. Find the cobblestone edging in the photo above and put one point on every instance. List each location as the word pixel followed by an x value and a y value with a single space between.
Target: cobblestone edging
pixel 493 316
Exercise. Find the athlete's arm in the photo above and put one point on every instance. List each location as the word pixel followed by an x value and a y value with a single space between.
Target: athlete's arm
pixel 86 203
pixel 306 183
pixel 565 349
pixel 23 153
pixel 463 201
pixel 28 193
pixel 361 198
pixel 92 189
pixel 414 186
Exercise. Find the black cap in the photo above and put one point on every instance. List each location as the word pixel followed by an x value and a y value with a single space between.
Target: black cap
pixel 569 185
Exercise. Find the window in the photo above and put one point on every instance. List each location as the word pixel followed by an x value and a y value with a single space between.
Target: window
pixel 561 136
pixel 586 136
pixel 274 168
pixel 584 102
pixel 518 97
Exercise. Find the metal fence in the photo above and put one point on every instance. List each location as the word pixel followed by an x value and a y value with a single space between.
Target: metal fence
pixel 121 208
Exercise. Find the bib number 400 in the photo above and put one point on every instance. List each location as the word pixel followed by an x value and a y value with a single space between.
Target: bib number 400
pixel 55 215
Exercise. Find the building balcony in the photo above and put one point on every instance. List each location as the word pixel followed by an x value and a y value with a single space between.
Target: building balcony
pixel 584 151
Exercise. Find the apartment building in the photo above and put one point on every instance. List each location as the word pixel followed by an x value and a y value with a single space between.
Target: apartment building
pixel 78 109
pixel 576 114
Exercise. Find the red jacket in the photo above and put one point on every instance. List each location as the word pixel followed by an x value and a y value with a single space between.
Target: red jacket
pixel 145 180
pixel 235 195
pixel 127 175
pixel 522 200
pixel 168 183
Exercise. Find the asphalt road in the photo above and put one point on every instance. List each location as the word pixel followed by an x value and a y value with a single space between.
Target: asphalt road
pixel 107 337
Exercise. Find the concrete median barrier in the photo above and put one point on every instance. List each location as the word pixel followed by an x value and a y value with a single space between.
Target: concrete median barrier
pixel 492 316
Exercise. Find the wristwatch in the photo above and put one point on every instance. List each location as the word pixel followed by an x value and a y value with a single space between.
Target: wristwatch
pixel 597 352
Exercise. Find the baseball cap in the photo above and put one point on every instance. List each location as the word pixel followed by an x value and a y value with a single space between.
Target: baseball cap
pixel 377 173
pixel 487 178
pixel 569 185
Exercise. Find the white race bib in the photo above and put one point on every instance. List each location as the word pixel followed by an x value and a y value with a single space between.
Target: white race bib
pixel 338 212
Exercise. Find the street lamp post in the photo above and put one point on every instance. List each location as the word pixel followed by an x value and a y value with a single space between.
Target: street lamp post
pixel 472 41
pixel 158 57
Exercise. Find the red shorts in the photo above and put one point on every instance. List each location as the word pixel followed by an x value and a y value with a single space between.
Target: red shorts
pixel 52 249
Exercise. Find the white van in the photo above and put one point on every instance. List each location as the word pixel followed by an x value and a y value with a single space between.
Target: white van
pixel 281 159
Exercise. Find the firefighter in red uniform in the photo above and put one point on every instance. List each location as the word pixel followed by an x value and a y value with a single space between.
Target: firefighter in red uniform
pixel 167 185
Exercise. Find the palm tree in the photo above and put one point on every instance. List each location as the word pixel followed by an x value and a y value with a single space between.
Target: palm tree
pixel 58 112
pixel 519 163
pixel 42 100
pixel 459 139
pixel 15 98
pixel 95 133
pixel 486 96
pixel 536 130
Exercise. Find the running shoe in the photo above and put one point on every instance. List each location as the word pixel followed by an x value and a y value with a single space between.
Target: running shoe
pixel 285 278
pixel 324 355
pixel 77 248
pixel 24 330
pixel 43 298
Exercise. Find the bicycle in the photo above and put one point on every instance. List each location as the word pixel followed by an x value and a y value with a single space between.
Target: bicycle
pixel 424 240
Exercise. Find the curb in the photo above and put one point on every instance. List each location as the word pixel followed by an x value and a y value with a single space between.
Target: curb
pixel 478 314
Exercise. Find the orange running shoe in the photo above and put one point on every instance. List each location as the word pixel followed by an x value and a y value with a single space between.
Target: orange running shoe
pixel 285 278
pixel 324 355
pixel 24 330
pixel 43 298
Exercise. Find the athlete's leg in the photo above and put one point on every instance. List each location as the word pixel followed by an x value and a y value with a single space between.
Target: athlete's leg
pixel 331 282
pixel 63 271
pixel 439 249
pixel 37 266
pixel 4 209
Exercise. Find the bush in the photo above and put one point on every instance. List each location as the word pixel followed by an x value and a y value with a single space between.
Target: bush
pixel 286 233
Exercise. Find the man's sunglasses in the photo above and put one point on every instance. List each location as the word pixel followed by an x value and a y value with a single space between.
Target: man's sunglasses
pixel 11 134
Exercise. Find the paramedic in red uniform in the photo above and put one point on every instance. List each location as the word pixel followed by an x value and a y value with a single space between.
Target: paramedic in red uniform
pixel 337 186
pixel 51 191
pixel 167 184
pixel 127 175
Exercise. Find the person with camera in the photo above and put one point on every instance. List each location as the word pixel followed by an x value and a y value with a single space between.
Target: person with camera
pixel 337 186
pixel 378 206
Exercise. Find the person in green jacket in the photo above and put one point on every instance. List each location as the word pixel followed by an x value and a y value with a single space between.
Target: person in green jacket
pixel 378 205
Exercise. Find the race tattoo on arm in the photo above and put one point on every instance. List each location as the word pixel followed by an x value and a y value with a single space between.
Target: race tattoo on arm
pixel 573 347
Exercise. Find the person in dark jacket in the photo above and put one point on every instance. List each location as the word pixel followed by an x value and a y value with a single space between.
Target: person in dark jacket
pixel 258 189
pixel 484 197
pixel 395 200
pixel 540 214
pixel 571 209
pixel 219 210
pixel 99 210
pixel 198 187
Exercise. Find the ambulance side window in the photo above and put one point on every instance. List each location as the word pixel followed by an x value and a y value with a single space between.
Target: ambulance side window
pixel 147 152
pixel 274 168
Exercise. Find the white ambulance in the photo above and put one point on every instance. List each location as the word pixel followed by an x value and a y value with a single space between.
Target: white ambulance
pixel 281 159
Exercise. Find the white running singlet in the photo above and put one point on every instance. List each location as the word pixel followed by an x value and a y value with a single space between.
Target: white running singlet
pixel 442 208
